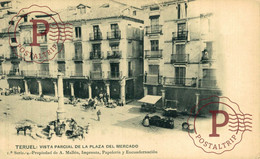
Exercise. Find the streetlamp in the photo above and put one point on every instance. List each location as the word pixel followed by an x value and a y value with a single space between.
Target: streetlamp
pixel 60 109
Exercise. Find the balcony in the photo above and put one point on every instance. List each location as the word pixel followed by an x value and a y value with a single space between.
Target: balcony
pixel 77 58
pixel 15 73
pixel 152 79
pixel 181 35
pixel 40 73
pixel 114 54
pixel 114 75
pixel 114 35
pixel 153 54
pixel 76 74
pixel 95 36
pixel 14 58
pixel 179 58
pixel 172 81
pixel 98 55
pixel 153 29
pixel 97 75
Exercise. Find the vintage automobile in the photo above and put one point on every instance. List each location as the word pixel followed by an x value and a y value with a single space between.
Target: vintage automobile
pixel 161 122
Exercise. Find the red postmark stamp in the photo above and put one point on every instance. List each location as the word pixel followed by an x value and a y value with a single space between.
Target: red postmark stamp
pixel 37 34
pixel 223 130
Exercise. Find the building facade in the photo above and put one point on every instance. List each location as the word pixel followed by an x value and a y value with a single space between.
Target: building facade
pixel 179 53
pixel 104 54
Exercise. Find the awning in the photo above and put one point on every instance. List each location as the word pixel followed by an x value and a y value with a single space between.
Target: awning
pixel 150 99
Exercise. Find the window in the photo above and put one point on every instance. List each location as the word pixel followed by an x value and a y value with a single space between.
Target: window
pixel 115 33
pixel 13 51
pixel 154 8
pixel 61 67
pixel 209 48
pixel 96 50
pixel 97 33
pixel 82 10
pixel 182 10
pixel 11 22
pixel 154 20
pixel 44 67
pixel 25 18
pixel 44 50
pixel 78 50
pixel 154 69
pixel 78 32
pixel 79 69
pixel 61 53
pixel 130 73
pixel 179 11
pixel 180 74
pixel 180 49
pixel 97 67
pixel 154 45
pixel 114 69
pixel 43 38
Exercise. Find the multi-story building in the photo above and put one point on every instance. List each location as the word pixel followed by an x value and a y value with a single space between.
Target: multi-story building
pixel 103 55
pixel 179 52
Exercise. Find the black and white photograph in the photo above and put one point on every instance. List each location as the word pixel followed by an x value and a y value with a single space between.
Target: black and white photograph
pixel 129 79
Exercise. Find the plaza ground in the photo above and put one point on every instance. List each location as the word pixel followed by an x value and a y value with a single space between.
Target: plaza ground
pixel 120 125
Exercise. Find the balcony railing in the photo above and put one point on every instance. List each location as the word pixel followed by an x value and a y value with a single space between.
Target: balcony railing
pixel 114 54
pixel 113 35
pixel 152 79
pixel 180 35
pixel 153 54
pixel 206 58
pixel 15 73
pixel 39 73
pixel 95 36
pixel 179 58
pixel 172 81
pixel 153 29
pixel 76 74
pixel 77 58
pixel 96 75
pixel 96 55
pixel 114 75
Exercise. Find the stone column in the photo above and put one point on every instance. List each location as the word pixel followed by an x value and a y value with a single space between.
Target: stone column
pixel 197 102
pixel 26 87
pixel 89 91
pixel 72 89
pixel 39 87
pixel 163 97
pixel 145 91
pixel 108 89
pixel 60 109
pixel 123 90
pixel 55 89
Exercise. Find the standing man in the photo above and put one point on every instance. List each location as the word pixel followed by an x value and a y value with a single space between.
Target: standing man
pixel 98 114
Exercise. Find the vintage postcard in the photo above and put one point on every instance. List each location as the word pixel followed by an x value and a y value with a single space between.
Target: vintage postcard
pixel 129 79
